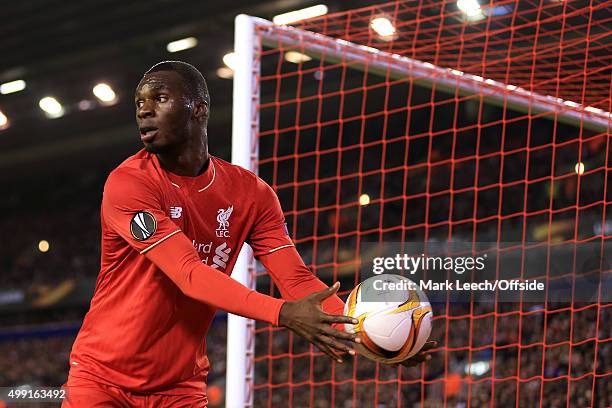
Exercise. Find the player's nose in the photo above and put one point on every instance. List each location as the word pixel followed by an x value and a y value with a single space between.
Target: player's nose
pixel 146 110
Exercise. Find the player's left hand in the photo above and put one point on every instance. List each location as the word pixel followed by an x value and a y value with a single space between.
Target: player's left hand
pixel 422 356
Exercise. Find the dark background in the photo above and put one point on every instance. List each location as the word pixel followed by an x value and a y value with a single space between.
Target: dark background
pixel 64 48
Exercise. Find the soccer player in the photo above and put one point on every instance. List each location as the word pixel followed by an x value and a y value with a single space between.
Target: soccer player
pixel 173 221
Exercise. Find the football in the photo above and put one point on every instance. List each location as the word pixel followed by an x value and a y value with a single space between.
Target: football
pixel 395 317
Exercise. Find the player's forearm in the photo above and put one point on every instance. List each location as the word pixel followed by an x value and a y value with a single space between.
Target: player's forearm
pixel 215 288
pixel 295 280
pixel 177 259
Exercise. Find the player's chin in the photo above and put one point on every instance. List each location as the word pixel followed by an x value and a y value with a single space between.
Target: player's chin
pixel 153 147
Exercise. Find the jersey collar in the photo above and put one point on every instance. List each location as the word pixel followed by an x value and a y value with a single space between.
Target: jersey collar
pixel 198 183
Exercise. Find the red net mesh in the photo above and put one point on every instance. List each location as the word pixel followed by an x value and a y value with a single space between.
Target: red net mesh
pixel 440 165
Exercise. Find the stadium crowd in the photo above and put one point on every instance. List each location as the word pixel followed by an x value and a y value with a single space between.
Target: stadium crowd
pixel 68 218
pixel 517 338
pixel 282 357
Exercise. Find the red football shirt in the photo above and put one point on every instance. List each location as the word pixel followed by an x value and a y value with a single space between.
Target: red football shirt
pixel 142 332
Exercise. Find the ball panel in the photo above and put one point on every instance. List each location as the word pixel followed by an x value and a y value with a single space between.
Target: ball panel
pixel 367 342
pixel 389 330
pixel 419 333
pixel 423 330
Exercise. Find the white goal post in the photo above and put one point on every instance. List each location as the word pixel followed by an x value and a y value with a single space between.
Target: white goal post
pixel 249 31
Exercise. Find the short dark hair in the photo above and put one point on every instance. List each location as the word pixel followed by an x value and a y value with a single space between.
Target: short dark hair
pixel 195 84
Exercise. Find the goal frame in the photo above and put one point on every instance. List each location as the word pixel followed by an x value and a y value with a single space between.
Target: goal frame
pixel 250 35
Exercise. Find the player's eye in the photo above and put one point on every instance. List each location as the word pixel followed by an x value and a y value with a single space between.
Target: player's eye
pixel 139 103
pixel 162 98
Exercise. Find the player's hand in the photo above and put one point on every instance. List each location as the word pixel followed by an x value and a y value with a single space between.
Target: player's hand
pixel 420 357
pixel 306 318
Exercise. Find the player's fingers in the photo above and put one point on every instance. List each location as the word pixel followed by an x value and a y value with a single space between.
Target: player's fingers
pixel 327 350
pixel 336 345
pixel 327 318
pixel 339 334
pixel 325 293
pixel 420 357
pixel 429 345
pixel 416 360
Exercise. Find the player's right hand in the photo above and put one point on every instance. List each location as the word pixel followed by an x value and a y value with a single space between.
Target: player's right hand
pixel 306 318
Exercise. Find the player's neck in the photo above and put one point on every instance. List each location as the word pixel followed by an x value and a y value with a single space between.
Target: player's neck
pixel 190 161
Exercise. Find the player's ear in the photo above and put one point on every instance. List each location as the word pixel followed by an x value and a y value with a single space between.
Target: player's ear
pixel 200 111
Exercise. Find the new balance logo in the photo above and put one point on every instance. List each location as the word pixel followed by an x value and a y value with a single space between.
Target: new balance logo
pixel 223 216
pixel 176 212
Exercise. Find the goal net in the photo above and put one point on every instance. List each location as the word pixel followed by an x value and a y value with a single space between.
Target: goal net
pixel 419 122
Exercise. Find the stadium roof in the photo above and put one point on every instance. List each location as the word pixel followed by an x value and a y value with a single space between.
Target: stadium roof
pixel 62 49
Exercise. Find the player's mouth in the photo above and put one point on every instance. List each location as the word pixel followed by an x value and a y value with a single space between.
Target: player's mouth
pixel 148 133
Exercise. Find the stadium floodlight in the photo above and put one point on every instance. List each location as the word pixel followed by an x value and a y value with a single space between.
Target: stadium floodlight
pixel 296 57
pixel 182 44
pixel 4 122
pixel 471 8
pixel 364 199
pixel 51 106
pixel 383 27
pixel 225 72
pixel 13 86
pixel 229 59
pixel 299 15
pixel 579 168
pixel 43 245
pixel 105 93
